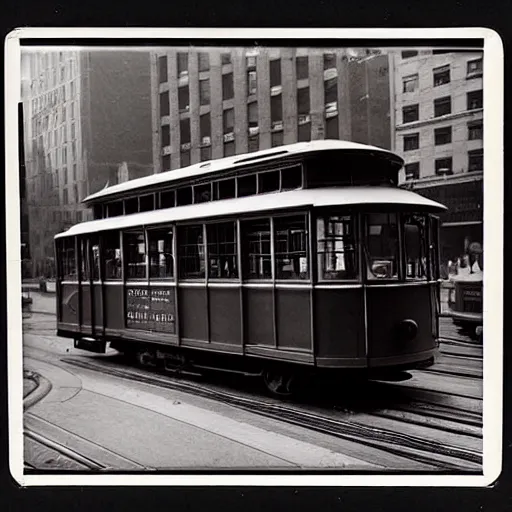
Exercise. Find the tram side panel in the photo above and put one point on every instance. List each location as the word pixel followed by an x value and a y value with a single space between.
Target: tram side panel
pixel 224 308
pixel 69 307
pixel 399 324
pixel 293 319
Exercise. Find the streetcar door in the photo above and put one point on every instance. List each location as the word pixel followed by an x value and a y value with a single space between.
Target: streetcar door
pixel 85 287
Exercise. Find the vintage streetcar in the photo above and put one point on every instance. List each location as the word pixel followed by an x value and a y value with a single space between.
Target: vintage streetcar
pixel 301 260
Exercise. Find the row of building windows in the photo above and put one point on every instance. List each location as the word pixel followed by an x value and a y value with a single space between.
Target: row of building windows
pixel 444 166
pixel 289 178
pixel 442 106
pixel 441 75
pixel 270 248
pixel 55 119
pixel 407 54
pixel 51 98
pixel 444 135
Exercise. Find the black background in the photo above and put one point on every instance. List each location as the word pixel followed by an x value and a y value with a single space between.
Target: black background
pixel 493 14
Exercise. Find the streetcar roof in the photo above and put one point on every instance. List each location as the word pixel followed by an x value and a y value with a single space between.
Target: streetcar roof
pixel 238 161
pixel 339 196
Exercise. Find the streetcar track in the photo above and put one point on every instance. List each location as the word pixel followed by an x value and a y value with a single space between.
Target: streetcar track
pixel 405 445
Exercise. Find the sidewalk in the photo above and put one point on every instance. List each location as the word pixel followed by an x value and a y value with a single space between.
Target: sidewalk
pixel 45 303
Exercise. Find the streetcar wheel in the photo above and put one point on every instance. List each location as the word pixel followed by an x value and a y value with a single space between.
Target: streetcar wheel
pixel 145 358
pixel 279 383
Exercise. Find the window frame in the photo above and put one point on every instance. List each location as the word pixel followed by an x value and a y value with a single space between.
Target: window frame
pixel 208 226
pixel 180 245
pixel 149 231
pixel 135 231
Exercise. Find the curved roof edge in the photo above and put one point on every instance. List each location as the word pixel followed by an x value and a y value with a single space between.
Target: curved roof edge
pixel 196 170
pixel 341 196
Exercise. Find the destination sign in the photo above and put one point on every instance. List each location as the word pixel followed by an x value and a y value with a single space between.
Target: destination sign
pixel 151 309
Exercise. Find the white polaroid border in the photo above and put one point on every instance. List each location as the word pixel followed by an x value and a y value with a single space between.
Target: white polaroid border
pixel 493 243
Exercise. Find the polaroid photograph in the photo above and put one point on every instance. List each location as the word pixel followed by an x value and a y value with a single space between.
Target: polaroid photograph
pixel 254 256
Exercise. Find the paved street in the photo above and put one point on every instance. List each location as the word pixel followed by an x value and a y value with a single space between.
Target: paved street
pixel 94 419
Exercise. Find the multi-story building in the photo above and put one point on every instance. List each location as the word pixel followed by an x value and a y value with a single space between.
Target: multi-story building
pixel 210 103
pixel 438 118
pixel 87 124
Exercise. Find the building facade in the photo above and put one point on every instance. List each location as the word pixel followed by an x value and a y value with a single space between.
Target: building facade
pixel 212 103
pixel 87 123
pixel 438 118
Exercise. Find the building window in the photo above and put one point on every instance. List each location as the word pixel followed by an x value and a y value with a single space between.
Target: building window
pixel 206 153
pixel 442 106
pixel 254 143
pixel 332 128
pixel 408 54
pixel 74 172
pixel 166 135
pixel 412 171
pixel 411 141
pixel 252 81
pixel 225 58
pixel 252 114
pixel 444 166
pixel 275 72
pixel 304 132
pixel 443 135
pixel 162 69
pixel 475 68
pixel 167 199
pixel 191 252
pixel 205 128
pixel 302 64
pixel 329 60
pixel 246 185
pixel 228 120
pixel 164 104
pixel 65 198
pixel 303 102
pixel 65 175
pixel 161 261
pixel 227 86
pixel 204 61
pixel 185 131
pixel 336 248
pixel 475 99
pixel 441 75
pixel 290 243
pixel 222 251
pixel 182 61
pixel 204 92
pixel 476 160
pixel 73 130
pixel 229 148
pixel 410 113
pixel 410 83
pixel 185 158
pixel 475 130
pixel 135 254
pixel 276 108
pixel 112 255
pixel 256 252
pixel 166 162
pixel 277 139
pixel 183 99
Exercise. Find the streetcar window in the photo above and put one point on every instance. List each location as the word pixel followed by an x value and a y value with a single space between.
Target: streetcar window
pixel 434 248
pixel 381 246
pixel 95 254
pixel 112 255
pixel 256 253
pixel 336 247
pixel 415 245
pixel 225 189
pixel 167 199
pixel 161 261
pixel 184 196
pixel 191 252
pixel 203 193
pixel 135 254
pixel 291 178
pixel 290 247
pixel 97 211
pixel 247 185
pixel 115 209
pixel 84 260
pixel 222 251
pixel 68 258
pixel 147 203
pixel 131 205
pixel 268 182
